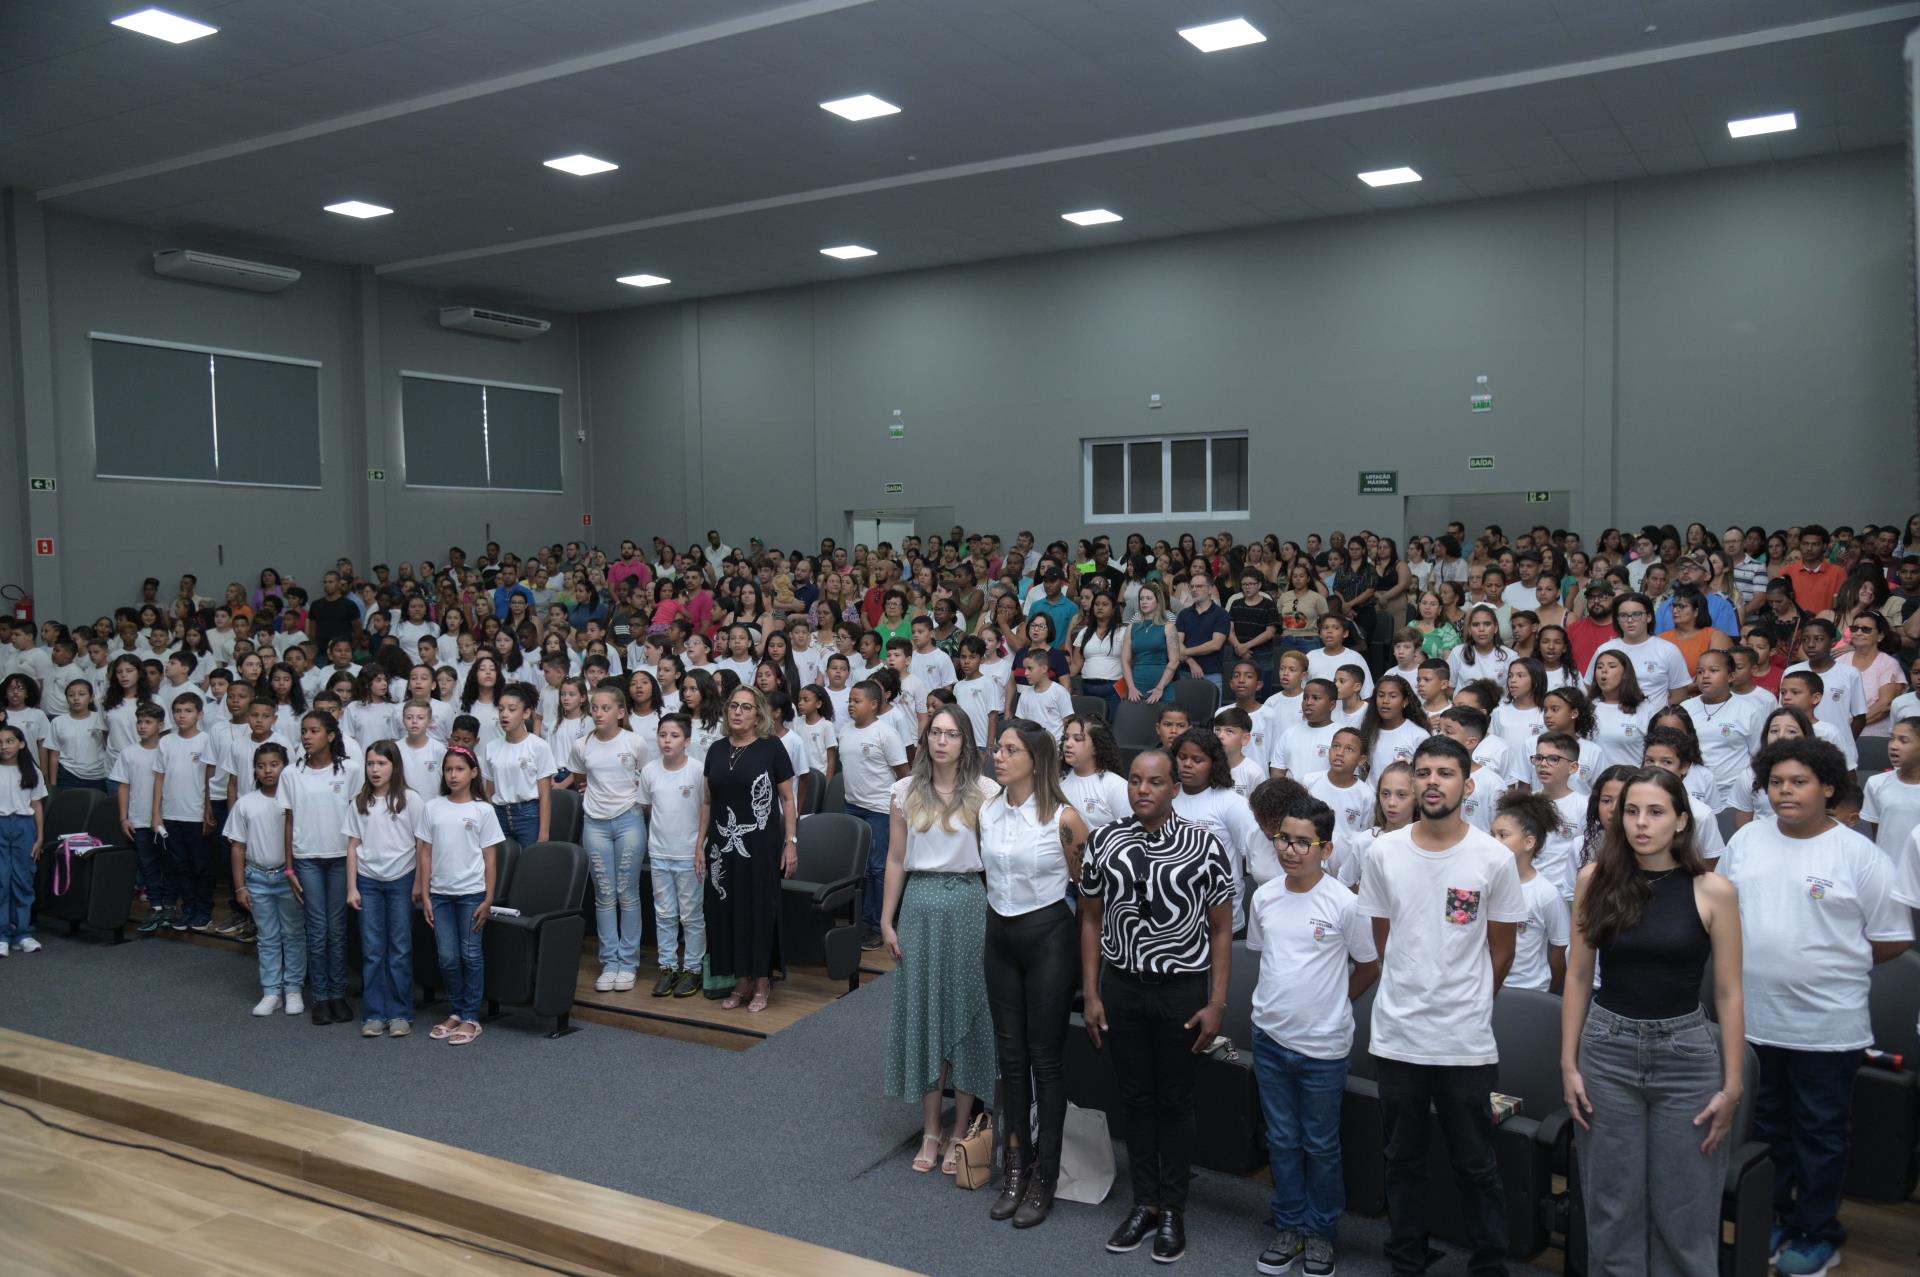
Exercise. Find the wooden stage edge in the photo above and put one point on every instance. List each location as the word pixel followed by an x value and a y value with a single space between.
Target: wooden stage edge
pixel 546 1214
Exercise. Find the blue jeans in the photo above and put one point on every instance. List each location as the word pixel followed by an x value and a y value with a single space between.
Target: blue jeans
pixel 17 869
pixel 521 821
pixel 875 890
pixel 679 911
pixel 276 920
pixel 68 780
pixel 190 857
pixel 386 943
pixel 324 884
pixel 1104 689
pixel 463 967
pixel 153 868
pixel 1801 1107
pixel 1300 1097
pixel 613 856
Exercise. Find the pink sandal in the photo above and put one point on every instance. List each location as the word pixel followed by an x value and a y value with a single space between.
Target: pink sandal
pixel 464 1035
pixel 443 1030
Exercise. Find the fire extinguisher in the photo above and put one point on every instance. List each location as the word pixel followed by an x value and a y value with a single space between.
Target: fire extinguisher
pixel 22 602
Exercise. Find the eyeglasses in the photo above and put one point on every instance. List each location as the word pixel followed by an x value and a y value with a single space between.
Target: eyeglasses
pixel 748 706
pixel 1290 842
pixel 942 733
pixel 1635 615
pixel 1551 758
pixel 1862 629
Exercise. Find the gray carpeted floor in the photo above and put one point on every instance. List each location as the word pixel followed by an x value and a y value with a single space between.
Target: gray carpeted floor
pixel 792 1136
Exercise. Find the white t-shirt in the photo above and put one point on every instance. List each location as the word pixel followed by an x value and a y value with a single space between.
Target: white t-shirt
pixel 81 744
pixel 1049 708
pixel 1729 738
pixel 612 768
pixel 564 733
pixel 261 823
pixel 811 661
pixel 370 722
pixel 933 668
pixel 1841 702
pixel 1100 798
pixel 1622 737
pixel 1323 664
pixel 1352 813
pixel 16 799
pixel 1894 808
pixel 1248 774
pixel 837 697
pixel 515 768
pixel 387 851
pixel 1307 938
pixel 422 767
pixel 1490 665
pixel 1229 819
pixel 1658 664
pixel 821 737
pixel 1809 908
pixel 1518 729
pixel 1394 745
pixel 1547 923
pixel 1558 860
pixel 868 756
pixel 134 770
pixel 797 753
pixel 1497 757
pixel 1280 715
pixel 319 797
pixel 1303 750
pixel 458 834
pixel 1482 796
pixel 673 798
pixel 237 749
pixel 980 698
pixel 183 761
pixel 1435 1004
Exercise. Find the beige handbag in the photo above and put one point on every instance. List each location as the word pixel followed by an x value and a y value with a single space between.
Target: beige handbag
pixel 976 1153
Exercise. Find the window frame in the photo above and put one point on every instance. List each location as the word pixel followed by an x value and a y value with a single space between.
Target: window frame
pixel 1165 514
pixel 212 352
pixel 400 414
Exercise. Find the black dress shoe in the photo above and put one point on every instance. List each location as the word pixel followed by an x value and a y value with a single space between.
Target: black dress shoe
pixel 1134 1229
pixel 1012 1188
pixel 340 1009
pixel 320 1011
pixel 1036 1205
pixel 1170 1239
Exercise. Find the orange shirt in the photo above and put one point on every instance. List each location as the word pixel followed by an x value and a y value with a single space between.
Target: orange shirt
pixel 1814 590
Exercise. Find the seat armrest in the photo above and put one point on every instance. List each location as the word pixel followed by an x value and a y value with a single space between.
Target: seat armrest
pixel 530 922
pixel 1554 1130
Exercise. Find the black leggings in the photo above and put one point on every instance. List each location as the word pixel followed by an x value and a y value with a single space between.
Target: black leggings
pixel 1033 968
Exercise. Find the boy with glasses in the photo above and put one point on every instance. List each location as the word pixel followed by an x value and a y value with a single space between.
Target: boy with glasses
pixel 1556 760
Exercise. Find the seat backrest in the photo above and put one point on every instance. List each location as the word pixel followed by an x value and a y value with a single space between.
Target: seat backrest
pixel 835 799
pixel 1728 824
pixel 816 791
pixel 1237 1024
pixel 833 847
pixel 1894 1003
pixel 1199 698
pixel 1873 756
pixel 103 821
pixel 68 810
pixel 567 819
pixel 1133 724
pixel 503 865
pixel 1360 1062
pixel 1090 707
pixel 548 877
pixel 1526 1027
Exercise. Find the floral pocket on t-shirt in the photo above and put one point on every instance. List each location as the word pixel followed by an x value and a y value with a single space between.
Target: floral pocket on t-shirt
pixel 1463 906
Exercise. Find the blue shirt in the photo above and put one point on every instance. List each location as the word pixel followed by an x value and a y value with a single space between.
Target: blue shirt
pixel 1197 627
pixel 1720 614
pixel 501 597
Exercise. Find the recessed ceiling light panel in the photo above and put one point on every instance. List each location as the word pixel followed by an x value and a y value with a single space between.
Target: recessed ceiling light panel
pixel 1215 36
pixel 162 25
pixel 1782 123
pixel 358 208
pixel 847 252
pixel 643 281
pixel 865 106
pixel 581 165
pixel 1092 217
pixel 1389 177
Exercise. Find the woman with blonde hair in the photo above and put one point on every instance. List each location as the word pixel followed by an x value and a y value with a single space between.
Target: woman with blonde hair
pixel 941 1031
pixel 750 823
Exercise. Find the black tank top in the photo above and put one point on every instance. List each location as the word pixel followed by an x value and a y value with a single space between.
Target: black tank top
pixel 1652 970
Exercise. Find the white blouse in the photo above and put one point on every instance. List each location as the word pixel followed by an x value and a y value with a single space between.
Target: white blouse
pixel 1025 864
pixel 937 850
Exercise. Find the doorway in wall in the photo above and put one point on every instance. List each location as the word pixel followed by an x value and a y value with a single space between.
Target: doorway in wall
pixel 871 527
pixel 1514 512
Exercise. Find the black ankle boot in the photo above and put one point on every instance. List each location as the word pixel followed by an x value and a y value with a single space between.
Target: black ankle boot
pixel 1037 1203
pixel 1013 1187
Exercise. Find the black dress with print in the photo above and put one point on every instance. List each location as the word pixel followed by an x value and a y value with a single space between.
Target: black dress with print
pixel 745 837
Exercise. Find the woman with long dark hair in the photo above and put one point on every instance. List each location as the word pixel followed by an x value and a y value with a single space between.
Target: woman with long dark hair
pixel 1645 1079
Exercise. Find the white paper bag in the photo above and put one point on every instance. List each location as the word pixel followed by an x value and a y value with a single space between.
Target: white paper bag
pixel 1086 1157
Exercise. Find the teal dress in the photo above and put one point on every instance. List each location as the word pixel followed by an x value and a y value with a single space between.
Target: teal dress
pixel 1149 655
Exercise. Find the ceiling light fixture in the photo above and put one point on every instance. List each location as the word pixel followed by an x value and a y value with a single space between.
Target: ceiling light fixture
pixel 643 281
pixel 1782 123
pixel 358 208
pixel 1215 36
pixel 865 106
pixel 1092 217
pixel 847 252
pixel 581 165
pixel 1389 177
pixel 162 25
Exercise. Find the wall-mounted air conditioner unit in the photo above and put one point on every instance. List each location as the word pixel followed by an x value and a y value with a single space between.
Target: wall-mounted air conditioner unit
pixel 228 272
pixel 492 323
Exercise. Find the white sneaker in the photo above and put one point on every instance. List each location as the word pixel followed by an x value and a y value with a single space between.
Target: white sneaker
pixel 623 982
pixel 3 948
pixel 29 945
pixel 295 1003
pixel 267 1005
pixel 604 983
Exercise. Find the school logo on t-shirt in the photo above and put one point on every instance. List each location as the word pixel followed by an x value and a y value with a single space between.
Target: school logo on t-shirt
pixel 1817 888
pixel 1463 906
pixel 471 824
pixel 1321 928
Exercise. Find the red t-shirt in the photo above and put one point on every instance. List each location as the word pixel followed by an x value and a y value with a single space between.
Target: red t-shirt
pixel 1585 637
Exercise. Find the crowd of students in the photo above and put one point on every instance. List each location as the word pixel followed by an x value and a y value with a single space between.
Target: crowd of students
pixel 1483 764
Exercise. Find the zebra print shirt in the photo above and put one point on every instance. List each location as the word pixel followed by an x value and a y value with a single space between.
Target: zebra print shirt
pixel 1156 888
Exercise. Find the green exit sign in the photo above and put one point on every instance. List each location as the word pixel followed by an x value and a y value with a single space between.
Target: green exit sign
pixel 1479 463
pixel 43 485
pixel 1539 498
pixel 1379 483
pixel 376 476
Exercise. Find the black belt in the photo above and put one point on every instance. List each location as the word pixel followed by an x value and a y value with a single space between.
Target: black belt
pixel 1153 978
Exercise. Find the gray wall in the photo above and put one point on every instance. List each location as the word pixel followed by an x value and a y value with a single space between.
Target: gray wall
pixel 98 277
pixel 1670 318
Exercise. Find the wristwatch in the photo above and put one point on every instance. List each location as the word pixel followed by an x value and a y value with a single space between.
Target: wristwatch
pixel 795 841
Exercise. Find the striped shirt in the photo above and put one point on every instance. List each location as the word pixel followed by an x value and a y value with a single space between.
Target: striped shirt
pixel 1750 576
pixel 1156 887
